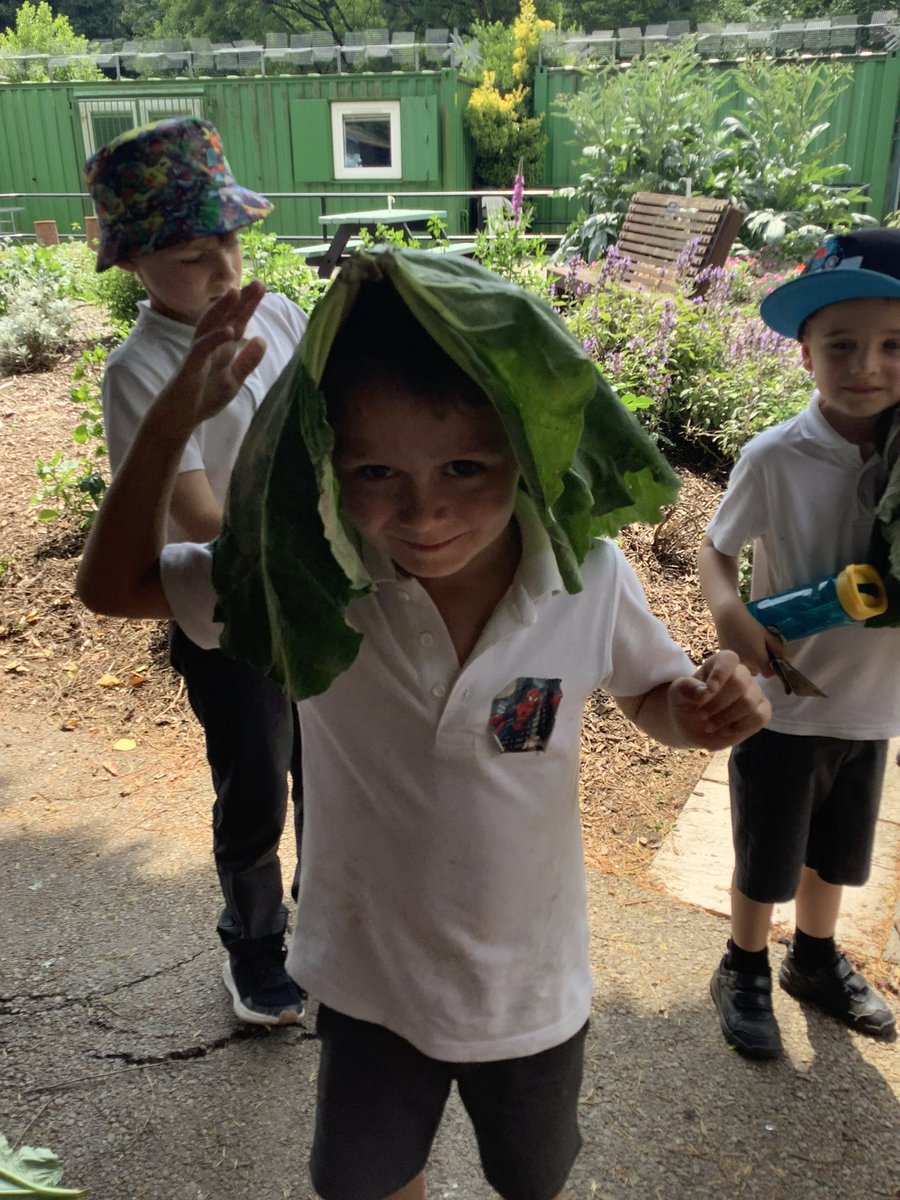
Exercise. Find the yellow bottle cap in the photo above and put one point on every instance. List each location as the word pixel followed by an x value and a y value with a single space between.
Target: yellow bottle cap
pixel 856 602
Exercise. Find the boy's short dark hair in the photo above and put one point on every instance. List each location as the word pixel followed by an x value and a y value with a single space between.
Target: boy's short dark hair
pixel 381 339
pixel 862 265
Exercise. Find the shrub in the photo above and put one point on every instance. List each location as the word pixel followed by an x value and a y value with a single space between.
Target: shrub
pixel 714 372
pixel 644 129
pixel 31 265
pixel 504 248
pixel 73 488
pixel 34 330
pixel 119 292
pixel 654 126
pixel 503 134
pixel 782 172
pixel 280 268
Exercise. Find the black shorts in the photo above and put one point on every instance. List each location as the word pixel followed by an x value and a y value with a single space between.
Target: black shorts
pixel 380 1102
pixel 803 801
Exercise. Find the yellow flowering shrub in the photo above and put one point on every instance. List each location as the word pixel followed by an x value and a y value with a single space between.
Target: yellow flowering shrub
pixel 527 30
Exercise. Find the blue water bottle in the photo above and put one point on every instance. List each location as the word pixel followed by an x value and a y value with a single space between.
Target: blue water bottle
pixel 853 594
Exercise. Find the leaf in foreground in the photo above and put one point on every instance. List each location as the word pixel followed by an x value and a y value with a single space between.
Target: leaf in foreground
pixel 32 1171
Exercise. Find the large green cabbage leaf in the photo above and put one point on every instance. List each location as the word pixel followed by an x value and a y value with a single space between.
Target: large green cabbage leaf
pixel 32 1171
pixel 286 566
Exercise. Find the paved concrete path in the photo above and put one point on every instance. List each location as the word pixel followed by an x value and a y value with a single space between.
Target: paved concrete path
pixel 695 862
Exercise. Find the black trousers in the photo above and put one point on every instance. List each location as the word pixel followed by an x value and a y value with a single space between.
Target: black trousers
pixel 252 745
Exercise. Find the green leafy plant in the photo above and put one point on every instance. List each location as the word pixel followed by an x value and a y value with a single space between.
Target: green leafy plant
pixel 38 31
pixel 652 128
pixel 782 171
pixel 280 267
pixel 504 247
pixel 504 133
pixel 72 488
pixel 119 292
pixel 644 129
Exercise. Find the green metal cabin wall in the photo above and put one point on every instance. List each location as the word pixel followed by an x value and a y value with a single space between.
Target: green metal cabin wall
pixel 40 151
pixel 268 143
pixel 866 114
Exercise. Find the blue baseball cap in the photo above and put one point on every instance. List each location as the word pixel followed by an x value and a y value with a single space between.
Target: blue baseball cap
pixel 847 266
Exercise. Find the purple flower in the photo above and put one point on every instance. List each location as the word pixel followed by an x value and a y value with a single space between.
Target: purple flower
pixel 518 194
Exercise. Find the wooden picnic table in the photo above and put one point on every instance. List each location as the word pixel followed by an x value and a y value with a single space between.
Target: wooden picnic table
pixel 351 224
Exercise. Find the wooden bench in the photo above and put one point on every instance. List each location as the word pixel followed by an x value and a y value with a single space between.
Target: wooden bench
pixel 659 230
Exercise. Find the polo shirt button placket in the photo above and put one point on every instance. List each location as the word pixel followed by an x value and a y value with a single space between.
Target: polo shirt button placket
pixel 439 690
pixel 426 639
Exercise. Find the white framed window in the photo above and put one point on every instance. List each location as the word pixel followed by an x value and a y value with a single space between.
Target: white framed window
pixel 366 139
pixel 102 120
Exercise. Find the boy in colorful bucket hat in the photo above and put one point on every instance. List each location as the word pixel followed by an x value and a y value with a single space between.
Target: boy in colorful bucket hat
pixel 805 791
pixel 170 210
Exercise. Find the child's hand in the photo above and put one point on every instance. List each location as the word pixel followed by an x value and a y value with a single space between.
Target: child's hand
pixel 720 705
pixel 215 365
pixel 751 641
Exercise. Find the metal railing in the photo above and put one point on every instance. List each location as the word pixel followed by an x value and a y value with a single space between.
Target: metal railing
pixel 389 198
pixel 244 58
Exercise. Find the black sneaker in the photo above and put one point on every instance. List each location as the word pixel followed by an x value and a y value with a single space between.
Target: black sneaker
pixel 744 1005
pixel 840 991
pixel 262 991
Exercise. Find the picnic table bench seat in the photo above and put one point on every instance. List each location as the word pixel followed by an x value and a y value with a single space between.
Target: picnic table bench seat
pixel 659 230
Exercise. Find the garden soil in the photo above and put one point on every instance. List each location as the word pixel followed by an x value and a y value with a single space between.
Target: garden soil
pixel 118 1048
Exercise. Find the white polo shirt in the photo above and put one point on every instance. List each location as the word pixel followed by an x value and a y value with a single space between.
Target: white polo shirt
pixel 137 371
pixel 442 893
pixel 804 492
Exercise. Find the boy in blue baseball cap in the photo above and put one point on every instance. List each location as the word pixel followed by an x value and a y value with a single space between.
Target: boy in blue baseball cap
pixel 805 791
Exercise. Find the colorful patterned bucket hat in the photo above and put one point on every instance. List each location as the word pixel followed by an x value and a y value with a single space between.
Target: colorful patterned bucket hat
pixel 847 266
pixel 162 184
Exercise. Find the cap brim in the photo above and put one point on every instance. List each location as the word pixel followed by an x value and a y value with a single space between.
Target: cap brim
pixel 237 207
pixel 787 307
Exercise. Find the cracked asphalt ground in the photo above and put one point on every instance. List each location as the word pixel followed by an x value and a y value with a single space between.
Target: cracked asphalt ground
pixel 118 1048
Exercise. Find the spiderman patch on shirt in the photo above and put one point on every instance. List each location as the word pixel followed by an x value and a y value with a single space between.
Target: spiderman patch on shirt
pixel 522 717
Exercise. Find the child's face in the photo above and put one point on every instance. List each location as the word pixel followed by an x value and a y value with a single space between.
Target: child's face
pixel 433 486
pixel 183 281
pixel 852 350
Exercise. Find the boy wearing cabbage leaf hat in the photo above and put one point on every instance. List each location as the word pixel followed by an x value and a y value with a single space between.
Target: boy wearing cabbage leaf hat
pixel 409 545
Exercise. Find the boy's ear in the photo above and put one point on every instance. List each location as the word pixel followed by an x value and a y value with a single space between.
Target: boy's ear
pixel 806 357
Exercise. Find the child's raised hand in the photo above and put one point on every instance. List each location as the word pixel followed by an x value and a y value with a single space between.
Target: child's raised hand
pixel 720 705
pixel 216 364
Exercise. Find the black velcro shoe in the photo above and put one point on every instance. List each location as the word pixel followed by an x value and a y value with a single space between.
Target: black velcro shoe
pixel 840 991
pixel 744 1005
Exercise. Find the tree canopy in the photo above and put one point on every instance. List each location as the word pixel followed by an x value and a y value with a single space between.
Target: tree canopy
pixel 228 19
